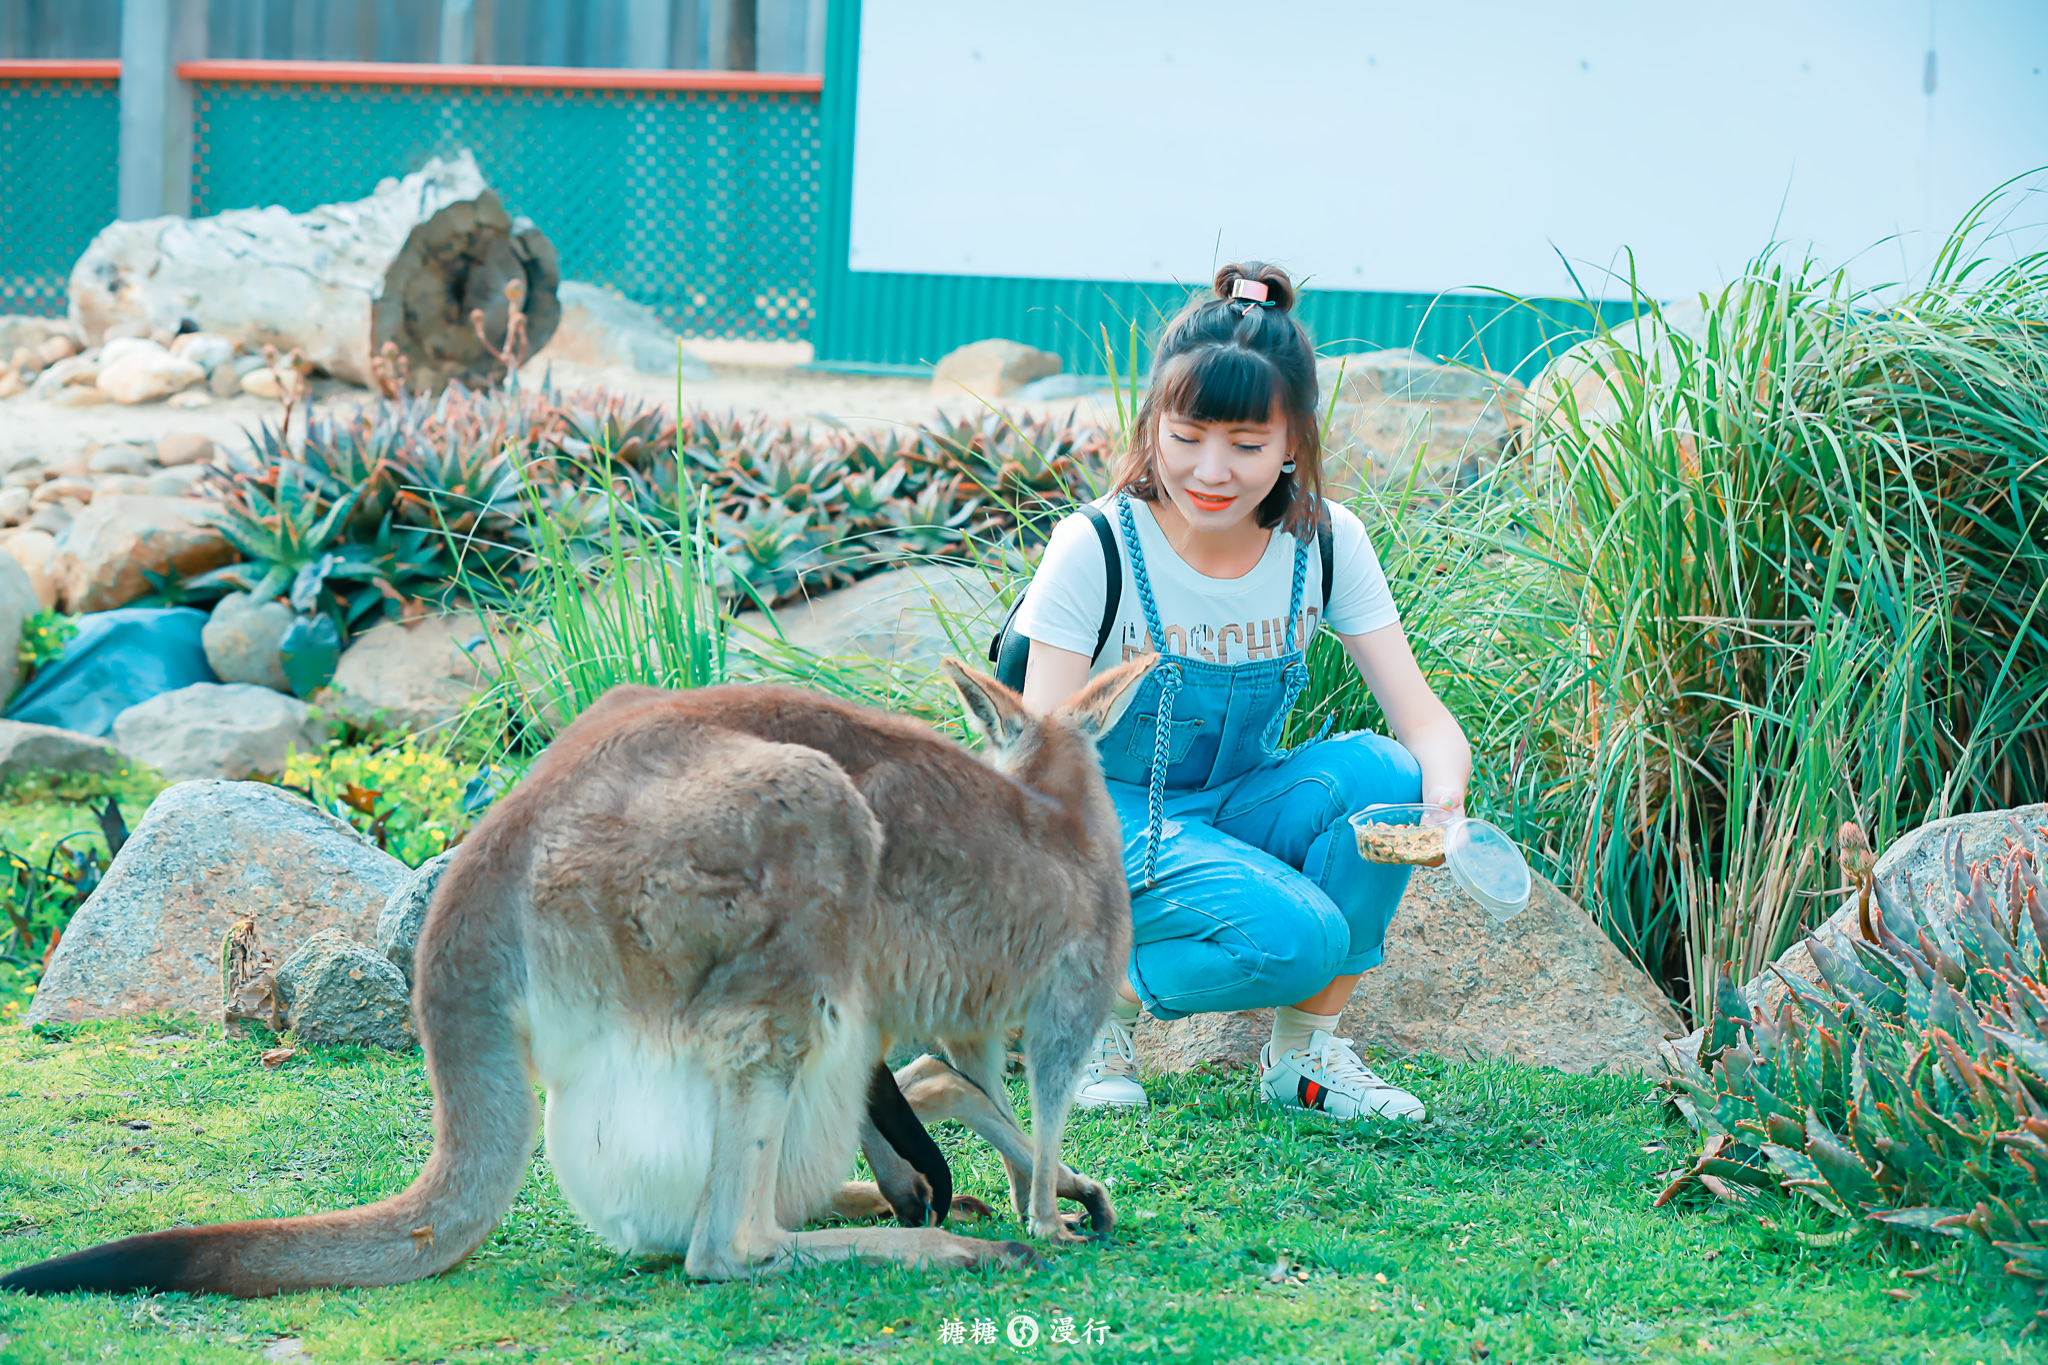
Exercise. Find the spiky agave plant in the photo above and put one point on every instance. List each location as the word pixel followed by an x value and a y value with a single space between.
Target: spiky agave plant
pixel 1906 1090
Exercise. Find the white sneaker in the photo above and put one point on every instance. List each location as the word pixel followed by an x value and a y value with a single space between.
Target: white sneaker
pixel 1327 1076
pixel 1108 1079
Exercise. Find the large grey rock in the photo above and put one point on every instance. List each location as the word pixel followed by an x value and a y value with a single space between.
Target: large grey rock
pixel 103 557
pixel 989 369
pixel 241 637
pixel 893 617
pixel 210 730
pixel 599 327
pixel 1546 988
pixel 17 603
pixel 398 927
pixel 335 990
pixel 1393 407
pixel 1913 869
pixel 416 676
pixel 204 856
pixel 45 748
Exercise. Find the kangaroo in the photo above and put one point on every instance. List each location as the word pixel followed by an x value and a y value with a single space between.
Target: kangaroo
pixel 698 923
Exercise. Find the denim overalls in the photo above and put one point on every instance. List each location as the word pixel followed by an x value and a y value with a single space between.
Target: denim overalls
pixel 1246 885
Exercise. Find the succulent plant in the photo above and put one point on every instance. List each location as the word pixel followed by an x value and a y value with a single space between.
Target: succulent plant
pixel 441 493
pixel 1907 1090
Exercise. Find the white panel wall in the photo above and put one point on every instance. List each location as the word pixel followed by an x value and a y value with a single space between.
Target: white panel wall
pixel 1430 147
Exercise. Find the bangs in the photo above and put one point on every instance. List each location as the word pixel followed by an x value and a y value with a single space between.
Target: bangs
pixel 1218 384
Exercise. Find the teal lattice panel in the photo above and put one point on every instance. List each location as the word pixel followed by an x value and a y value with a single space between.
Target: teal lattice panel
pixel 701 204
pixel 59 146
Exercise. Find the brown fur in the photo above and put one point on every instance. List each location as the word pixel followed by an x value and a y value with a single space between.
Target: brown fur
pixel 698 922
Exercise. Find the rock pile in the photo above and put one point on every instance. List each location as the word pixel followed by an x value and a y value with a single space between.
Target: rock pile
pixel 189 370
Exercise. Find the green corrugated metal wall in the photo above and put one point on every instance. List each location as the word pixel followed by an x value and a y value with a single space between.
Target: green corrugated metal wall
pixel 59 142
pixel 869 318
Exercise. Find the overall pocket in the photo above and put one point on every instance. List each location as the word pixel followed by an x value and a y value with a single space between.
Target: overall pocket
pixel 1146 727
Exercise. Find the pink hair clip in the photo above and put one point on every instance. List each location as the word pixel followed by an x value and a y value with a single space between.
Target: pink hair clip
pixel 1255 290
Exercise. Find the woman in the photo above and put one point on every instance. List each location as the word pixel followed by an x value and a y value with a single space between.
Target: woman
pixel 1247 888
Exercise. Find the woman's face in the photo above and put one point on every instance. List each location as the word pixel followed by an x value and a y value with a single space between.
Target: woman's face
pixel 1217 473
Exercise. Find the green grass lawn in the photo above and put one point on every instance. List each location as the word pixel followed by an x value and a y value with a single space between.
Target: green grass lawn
pixel 1514 1226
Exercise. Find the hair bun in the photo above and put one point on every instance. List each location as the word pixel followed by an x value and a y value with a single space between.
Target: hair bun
pixel 1279 288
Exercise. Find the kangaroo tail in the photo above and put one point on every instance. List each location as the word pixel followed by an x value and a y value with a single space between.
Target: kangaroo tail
pixel 469 981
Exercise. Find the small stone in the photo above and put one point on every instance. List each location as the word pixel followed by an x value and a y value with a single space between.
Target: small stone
pixel 398 927
pixel 335 990
pixel 14 504
pixel 183 447
pixel 28 748
pixel 77 371
pixel 208 350
pixel 11 383
pixel 118 459
pixel 203 857
pixel 53 518
pixel 33 549
pixel 991 368
pixel 113 484
pixel 26 361
pixel 222 383
pixel 78 396
pixel 241 638
pixel 56 349
pixel 263 383
pixel 144 376
pixel 244 364
pixel 61 490
pixel 166 483
pixel 189 399
pixel 210 730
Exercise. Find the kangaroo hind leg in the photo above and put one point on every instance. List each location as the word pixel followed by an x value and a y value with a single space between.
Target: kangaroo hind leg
pixel 937 1091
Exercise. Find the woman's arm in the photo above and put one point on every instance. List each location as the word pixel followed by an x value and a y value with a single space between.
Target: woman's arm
pixel 1420 721
pixel 1051 675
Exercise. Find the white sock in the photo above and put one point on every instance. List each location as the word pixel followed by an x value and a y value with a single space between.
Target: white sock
pixel 1292 1027
pixel 1124 1011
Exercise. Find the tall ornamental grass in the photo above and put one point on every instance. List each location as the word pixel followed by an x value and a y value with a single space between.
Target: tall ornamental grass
pixel 1800 547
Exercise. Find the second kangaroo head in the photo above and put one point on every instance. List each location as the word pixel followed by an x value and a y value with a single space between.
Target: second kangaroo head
pixel 1027 746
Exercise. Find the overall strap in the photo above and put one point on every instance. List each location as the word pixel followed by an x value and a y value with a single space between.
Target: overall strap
pixel 1169 684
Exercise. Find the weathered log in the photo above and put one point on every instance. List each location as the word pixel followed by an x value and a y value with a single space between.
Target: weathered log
pixel 406 265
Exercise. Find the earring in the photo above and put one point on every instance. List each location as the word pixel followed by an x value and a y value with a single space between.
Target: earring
pixel 1287 467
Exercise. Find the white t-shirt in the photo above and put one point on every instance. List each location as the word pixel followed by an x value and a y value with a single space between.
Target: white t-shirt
pixel 1223 620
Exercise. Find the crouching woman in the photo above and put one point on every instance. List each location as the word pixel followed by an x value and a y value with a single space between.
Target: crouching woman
pixel 1247 888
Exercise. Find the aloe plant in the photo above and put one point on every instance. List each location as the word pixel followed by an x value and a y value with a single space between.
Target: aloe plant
pixel 1906 1092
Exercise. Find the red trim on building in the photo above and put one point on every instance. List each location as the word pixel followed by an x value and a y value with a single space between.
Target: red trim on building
pixel 530 77
pixel 52 69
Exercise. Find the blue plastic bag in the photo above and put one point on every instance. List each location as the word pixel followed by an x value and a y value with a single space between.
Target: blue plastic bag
pixel 118 658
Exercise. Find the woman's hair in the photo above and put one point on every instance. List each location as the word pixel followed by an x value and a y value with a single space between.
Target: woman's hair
pixel 1224 359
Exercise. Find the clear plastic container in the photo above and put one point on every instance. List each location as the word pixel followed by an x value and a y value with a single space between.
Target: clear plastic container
pixel 1482 860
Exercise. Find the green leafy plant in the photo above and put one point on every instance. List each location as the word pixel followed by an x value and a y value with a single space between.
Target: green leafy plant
pixel 43 637
pixel 408 797
pixel 1907 1091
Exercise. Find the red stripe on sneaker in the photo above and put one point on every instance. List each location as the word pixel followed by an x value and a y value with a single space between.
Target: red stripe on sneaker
pixel 1311 1094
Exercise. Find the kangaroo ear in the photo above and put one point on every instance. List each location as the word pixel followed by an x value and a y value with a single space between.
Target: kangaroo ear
pixel 992 708
pixel 1099 705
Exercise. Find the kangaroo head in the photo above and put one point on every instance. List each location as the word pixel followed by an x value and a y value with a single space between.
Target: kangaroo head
pixel 1027 746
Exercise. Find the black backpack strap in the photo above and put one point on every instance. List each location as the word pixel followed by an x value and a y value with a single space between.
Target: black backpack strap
pixel 1010 651
pixel 1113 576
pixel 1329 550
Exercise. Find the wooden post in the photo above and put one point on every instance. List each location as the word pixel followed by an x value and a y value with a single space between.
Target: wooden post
pixel 155 176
